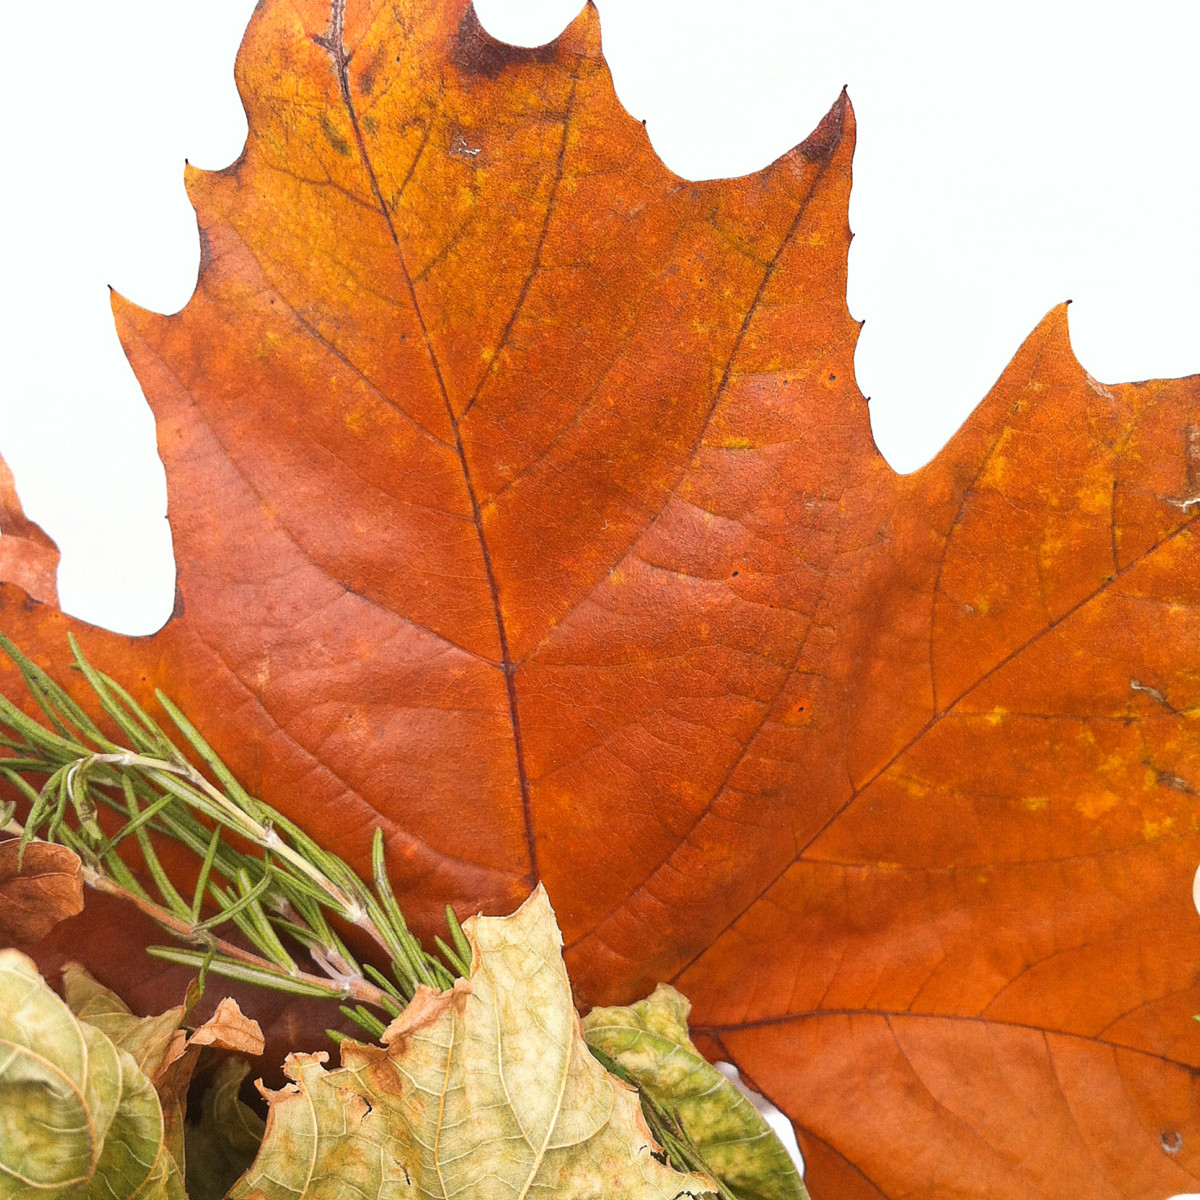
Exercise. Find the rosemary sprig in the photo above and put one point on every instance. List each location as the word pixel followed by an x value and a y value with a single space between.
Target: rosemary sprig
pixel 279 890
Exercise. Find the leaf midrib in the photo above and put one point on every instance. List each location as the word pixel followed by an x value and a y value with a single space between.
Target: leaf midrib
pixel 334 45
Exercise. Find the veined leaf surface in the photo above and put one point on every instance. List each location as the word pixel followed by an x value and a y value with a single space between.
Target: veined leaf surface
pixel 79 1120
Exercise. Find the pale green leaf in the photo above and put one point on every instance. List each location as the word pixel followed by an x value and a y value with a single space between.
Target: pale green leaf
pixel 483 1091
pixel 78 1117
pixel 160 1046
pixel 650 1040
pixel 324 1139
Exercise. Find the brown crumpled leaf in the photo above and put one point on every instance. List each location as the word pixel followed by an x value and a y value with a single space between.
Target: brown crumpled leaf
pixel 229 1029
pixel 524 504
pixel 37 891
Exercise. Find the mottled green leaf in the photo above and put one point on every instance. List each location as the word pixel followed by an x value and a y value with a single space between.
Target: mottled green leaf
pixel 78 1117
pixel 486 1090
pixel 650 1040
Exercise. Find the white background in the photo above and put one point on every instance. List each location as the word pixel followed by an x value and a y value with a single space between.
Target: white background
pixel 1010 156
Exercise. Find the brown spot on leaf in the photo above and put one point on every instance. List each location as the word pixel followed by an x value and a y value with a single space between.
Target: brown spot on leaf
pixel 477 52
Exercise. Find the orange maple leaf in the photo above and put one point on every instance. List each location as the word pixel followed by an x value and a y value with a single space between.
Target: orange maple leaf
pixel 524 504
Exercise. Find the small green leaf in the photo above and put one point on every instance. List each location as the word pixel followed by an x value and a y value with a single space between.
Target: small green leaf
pixel 650 1041
pixel 78 1118
pixel 222 1143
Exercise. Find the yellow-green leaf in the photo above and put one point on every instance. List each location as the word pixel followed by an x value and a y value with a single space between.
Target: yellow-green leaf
pixel 78 1117
pixel 650 1040
pixel 152 1041
pixel 486 1090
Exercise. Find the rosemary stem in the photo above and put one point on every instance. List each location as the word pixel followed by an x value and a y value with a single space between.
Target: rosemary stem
pixel 238 819
pixel 286 886
pixel 262 835
pixel 342 986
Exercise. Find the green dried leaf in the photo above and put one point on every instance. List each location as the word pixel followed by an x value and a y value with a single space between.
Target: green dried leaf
pixel 161 1047
pixel 78 1117
pixel 324 1139
pixel 222 1142
pixel 484 1090
pixel 650 1040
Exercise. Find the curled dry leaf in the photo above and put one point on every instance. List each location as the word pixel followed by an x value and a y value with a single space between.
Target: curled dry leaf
pixel 484 1090
pixel 229 1029
pixel 650 1040
pixel 524 504
pixel 154 1042
pixel 37 890
pixel 80 1119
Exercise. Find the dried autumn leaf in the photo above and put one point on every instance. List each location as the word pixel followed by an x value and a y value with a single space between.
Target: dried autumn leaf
pixel 524 504
pixel 153 1042
pixel 229 1029
pixel 78 1117
pixel 484 1090
pixel 37 890
pixel 156 1042
pixel 650 1040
